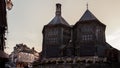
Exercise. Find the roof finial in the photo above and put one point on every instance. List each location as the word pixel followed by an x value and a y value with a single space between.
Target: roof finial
pixel 87 5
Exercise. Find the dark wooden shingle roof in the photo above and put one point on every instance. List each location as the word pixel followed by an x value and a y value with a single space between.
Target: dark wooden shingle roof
pixel 88 16
pixel 58 20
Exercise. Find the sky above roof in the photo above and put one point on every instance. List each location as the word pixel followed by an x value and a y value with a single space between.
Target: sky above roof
pixel 27 18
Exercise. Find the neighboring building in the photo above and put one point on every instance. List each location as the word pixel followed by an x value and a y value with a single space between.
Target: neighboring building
pixel 83 42
pixel 3 28
pixel 23 55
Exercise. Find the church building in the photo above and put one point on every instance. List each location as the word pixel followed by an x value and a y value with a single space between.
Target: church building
pixel 56 35
pixel 84 40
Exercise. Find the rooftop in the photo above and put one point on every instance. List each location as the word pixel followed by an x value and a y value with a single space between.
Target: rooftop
pixel 88 16
pixel 58 19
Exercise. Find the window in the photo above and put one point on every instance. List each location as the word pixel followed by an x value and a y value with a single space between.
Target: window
pixel 87 37
pixel 51 35
pixel 86 28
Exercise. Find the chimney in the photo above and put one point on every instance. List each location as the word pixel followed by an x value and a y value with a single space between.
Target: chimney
pixel 58 9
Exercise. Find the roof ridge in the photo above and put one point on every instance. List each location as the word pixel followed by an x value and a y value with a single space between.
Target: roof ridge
pixel 58 20
pixel 88 16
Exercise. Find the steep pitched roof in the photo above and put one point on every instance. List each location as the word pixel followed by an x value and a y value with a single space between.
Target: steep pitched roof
pixel 88 16
pixel 58 20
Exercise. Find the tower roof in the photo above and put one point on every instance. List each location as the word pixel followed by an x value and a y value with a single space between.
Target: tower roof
pixel 88 16
pixel 58 19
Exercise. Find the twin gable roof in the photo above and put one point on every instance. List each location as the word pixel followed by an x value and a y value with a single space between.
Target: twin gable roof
pixel 58 19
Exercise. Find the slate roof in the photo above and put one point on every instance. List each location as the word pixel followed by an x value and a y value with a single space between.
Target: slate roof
pixel 58 20
pixel 88 16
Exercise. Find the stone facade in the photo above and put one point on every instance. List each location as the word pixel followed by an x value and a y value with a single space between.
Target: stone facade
pixel 23 55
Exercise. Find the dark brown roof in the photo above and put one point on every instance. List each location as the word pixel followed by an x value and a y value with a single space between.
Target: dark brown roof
pixel 58 20
pixel 88 16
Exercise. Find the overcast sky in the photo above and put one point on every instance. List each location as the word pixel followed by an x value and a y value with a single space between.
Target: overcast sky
pixel 27 18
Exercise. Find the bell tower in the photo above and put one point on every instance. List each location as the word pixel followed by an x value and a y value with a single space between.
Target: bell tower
pixel 89 36
pixel 56 35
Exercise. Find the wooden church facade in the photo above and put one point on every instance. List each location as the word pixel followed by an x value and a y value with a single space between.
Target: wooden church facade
pixel 89 36
pixel 86 38
pixel 56 35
